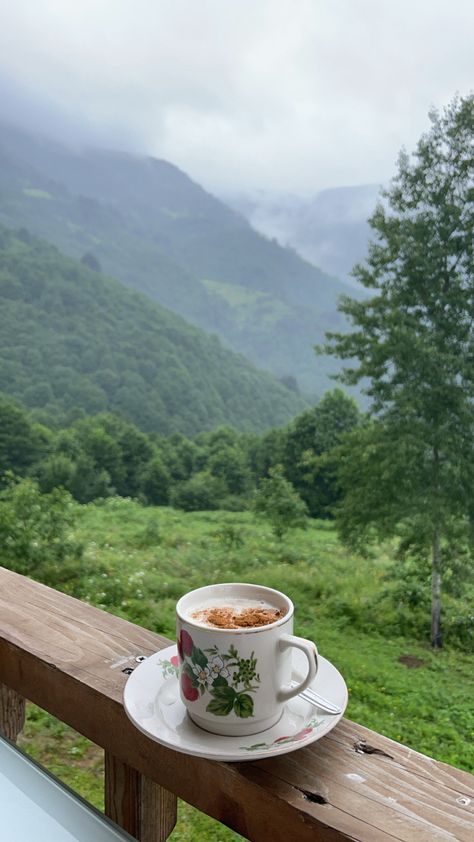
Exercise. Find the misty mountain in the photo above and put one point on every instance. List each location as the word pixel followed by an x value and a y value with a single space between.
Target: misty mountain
pixel 150 226
pixel 329 229
pixel 73 340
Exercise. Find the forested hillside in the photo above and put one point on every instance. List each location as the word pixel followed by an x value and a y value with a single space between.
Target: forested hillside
pixel 153 228
pixel 73 341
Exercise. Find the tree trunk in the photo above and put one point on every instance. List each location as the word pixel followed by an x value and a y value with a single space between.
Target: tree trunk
pixel 436 637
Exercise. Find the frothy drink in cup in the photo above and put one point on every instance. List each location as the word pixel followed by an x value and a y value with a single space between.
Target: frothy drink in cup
pixel 235 645
pixel 237 614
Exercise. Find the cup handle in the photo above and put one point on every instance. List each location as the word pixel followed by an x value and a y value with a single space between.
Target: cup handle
pixel 288 640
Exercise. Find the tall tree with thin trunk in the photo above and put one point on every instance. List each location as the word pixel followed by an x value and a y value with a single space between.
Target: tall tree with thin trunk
pixel 409 471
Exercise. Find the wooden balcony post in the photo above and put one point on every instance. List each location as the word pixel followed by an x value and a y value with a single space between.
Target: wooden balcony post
pixel 12 713
pixel 144 809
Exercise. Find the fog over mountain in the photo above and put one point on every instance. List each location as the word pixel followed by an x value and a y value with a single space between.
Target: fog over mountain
pixel 284 95
pixel 288 97
pixel 329 229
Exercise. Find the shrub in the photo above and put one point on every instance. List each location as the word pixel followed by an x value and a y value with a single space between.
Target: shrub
pixel 229 536
pixel 201 491
pixel 278 502
pixel 35 527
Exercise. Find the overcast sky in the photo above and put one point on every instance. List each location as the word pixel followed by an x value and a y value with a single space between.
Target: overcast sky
pixel 287 95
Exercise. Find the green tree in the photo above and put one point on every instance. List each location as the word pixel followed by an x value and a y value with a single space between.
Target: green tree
pixel 136 450
pixel 410 472
pixel 266 451
pixel 178 454
pixel 89 481
pixel 57 471
pixel 277 501
pixel 155 482
pixel 310 435
pixel 22 443
pixel 230 464
pixel 102 450
pixel 224 452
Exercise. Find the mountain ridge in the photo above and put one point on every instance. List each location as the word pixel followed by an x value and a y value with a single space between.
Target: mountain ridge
pixel 150 226
pixel 74 340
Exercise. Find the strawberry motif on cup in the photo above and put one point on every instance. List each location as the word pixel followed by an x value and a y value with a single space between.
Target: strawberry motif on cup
pixel 225 677
pixel 189 691
pixel 185 644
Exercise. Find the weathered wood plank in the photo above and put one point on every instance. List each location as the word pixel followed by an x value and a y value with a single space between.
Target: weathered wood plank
pixel 141 807
pixel 330 767
pixel 68 657
pixel 12 713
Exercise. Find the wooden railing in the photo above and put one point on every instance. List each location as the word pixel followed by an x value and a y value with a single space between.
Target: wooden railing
pixel 72 660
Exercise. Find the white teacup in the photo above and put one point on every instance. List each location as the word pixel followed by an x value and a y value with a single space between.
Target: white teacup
pixel 236 681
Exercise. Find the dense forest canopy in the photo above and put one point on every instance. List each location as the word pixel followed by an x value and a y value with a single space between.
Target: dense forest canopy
pixel 155 230
pixel 104 455
pixel 75 342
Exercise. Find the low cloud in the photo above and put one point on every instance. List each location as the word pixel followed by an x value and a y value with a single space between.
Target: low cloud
pixel 286 95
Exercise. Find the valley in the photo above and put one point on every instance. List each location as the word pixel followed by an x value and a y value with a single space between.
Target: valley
pixel 152 228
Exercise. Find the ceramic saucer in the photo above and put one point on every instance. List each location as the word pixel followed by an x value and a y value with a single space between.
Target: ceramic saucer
pixel 153 703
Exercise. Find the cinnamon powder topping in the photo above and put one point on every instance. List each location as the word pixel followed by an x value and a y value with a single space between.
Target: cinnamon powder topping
pixel 230 618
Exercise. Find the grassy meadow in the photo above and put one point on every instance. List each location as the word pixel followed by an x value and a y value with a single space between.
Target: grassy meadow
pixel 138 561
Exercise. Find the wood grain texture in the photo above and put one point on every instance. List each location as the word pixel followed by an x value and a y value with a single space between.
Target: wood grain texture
pixel 12 713
pixel 143 808
pixel 68 657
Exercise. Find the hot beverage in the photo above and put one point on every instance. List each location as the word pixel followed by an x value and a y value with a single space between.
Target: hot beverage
pixel 235 643
pixel 237 614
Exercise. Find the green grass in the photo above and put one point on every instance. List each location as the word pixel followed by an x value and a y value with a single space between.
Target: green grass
pixel 234 294
pixel 249 305
pixel 68 755
pixel 139 561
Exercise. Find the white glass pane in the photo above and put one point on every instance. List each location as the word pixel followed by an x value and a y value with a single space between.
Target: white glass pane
pixel 35 806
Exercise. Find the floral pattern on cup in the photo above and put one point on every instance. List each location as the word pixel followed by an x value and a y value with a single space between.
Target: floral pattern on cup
pixel 171 667
pixel 285 740
pixel 226 677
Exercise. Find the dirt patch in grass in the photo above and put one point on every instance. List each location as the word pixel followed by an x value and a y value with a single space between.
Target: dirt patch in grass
pixel 411 661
